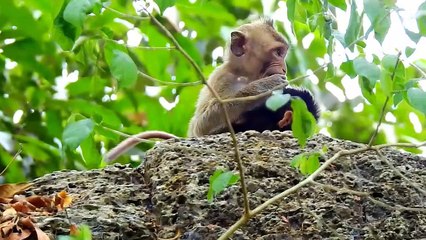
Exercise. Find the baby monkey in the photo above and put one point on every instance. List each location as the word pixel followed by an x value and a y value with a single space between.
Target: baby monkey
pixel 254 64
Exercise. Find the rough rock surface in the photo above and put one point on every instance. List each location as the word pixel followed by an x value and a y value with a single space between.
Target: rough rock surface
pixel 166 196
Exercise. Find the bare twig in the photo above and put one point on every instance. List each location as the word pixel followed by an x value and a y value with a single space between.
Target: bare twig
pixel 383 111
pixel 12 160
pixel 177 84
pixel 130 16
pixel 126 135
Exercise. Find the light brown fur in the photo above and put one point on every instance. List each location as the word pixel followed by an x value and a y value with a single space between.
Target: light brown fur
pixel 250 68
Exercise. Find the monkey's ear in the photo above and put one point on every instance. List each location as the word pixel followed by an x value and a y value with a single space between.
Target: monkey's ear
pixel 238 40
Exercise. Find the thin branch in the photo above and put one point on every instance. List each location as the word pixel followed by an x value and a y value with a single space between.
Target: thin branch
pixel 12 160
pixel 169 35
pixel 177 84
pixel 130 16
pixel 383 111
pixel 399 173
pixel 368 196
pixel 408 145
pixel 126 135
pixel 289 191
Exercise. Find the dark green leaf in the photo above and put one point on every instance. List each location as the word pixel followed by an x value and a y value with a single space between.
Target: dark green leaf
pixel 123 68
pixel 354 27
pixel 276 101
pixel 417 99
pixel 303 124
pixel 163 4
pixel 76 11
pixel 76 132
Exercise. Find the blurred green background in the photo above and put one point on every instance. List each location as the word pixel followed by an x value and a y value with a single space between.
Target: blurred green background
pixel 73 71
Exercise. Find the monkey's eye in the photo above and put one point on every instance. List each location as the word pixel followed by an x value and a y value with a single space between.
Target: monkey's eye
pixel 279 51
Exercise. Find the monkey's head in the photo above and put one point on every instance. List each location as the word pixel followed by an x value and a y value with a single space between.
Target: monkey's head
pixel 258 50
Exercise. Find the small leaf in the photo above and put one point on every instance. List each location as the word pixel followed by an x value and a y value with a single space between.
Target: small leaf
pixel 421 18
pixel 348 68
pixel 409 51
pixel 123 68
pixel 291 7
pixel 91 155
pixel 303 124
pixel 219 181
pixel 276 101
pixel 76 11
pixel 417 99
pixel 379 17
pixel 354 27
pixel 295 162
pixel 163 4
pixel 338 3
pixel 366 69
pixel 76 132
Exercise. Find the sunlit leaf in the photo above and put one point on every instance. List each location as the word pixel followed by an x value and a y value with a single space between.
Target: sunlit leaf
pixel 379 17
pixel 417 99
pixel 338 3
pixel 90 152
pixel 303 124
pixel 366 69
pixel 76 132
pixel 421 18
pixel 219 181
pixel 276 101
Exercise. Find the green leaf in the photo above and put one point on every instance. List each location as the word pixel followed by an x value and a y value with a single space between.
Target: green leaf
pixel 76 132
pixel 219 181
pixel 76 11
pixel 379 17
pixel 421 18
pixel 338 3
pixel 123 68
pixel 348 68
pixel 276 101
pixel 417 99
pixel 415 37
pixel 291 7
pixel 163 4
pixel 303 124
pixel 352 33
pixel 409 51
pixel 366 69
pixel 306 163
pixel 91 155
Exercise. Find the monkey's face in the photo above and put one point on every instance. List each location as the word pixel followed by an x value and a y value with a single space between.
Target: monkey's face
pixel 259 50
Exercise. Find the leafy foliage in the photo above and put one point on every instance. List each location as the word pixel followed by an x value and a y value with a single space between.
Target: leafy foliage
pixel 90 58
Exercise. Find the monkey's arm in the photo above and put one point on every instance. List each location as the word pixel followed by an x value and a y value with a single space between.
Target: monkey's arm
pixel 132 141
pixel 211 120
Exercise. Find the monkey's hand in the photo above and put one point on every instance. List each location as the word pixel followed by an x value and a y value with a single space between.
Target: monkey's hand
pixel 263 85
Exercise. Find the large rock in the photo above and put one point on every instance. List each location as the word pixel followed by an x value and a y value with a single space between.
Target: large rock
pixel 166 196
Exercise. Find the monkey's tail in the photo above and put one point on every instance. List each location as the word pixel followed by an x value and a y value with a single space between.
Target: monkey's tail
pixel 132 141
